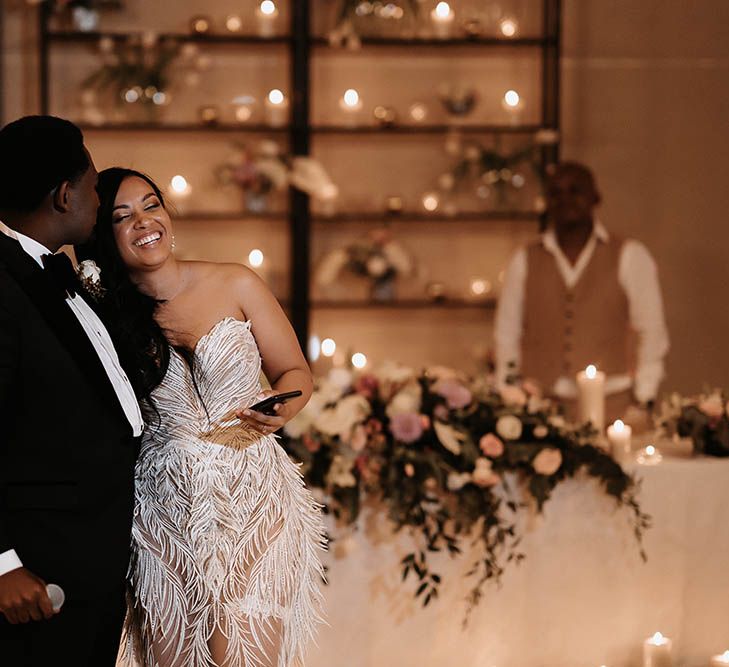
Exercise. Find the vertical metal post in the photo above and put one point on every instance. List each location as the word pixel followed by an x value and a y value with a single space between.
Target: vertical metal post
pixel 551 52
pixel 44 11
pixel 299 138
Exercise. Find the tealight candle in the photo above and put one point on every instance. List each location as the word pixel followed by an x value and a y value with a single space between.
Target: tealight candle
pixel 180 192
pixel 350 102
pixel 277 108
pixel 649 456
pixel 720 660
pixel 657 651
pixel 513 104
pixel 442 18
pixel 266 15
pixel 591 395
pixel 508 27
pixel 619 434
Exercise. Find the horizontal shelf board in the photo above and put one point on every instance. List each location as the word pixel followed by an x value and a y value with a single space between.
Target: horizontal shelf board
pixel 498 42
pixel 233 216
pixel 410 304
pixel 410 216
pixel 216 38
pixel 425 129
pixel 183 127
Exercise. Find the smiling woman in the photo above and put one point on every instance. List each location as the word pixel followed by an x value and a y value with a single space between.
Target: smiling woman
pixel 221 514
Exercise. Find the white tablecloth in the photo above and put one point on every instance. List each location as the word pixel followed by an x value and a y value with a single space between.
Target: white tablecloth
pixel 582 597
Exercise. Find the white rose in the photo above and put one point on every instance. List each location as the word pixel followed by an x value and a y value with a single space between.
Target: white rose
pixel 509 427
pixel 457 480
pixel 407 400
pixel 340 419
pixel 340 377
pixel 377 266
pixel 393 372
pixel 303 421
pixel 88 270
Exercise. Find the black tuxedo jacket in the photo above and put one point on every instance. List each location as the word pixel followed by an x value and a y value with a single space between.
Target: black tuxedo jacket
pixel 66 447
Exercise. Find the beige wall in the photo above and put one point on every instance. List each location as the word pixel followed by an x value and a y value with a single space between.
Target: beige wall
pixel 645 103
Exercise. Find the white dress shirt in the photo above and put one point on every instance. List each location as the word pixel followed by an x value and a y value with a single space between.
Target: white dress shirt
pixel 638 276
pixel 100 339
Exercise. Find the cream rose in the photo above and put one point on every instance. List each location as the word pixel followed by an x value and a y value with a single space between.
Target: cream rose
pixel 509 427
pixel 548 461
pixel 88 270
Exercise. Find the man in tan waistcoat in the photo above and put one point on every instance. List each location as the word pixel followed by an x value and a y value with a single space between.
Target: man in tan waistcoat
pixel 579 296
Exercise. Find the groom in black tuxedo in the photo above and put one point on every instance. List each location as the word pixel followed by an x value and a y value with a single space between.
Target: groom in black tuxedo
pixel 69 420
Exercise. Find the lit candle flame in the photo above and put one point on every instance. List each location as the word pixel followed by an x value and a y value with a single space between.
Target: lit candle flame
pixel 179 184
pixel 651 450
pixel 359 360
pixel 619 425
pixel 591 372
pixel 511 97
pixel 658 639
pixel 276 96
pixel 268 7
pixel 351 97
pixel 442 10
pixel 328 347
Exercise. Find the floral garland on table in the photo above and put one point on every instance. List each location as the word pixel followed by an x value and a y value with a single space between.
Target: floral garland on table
pixel 434 448
pixel 704 419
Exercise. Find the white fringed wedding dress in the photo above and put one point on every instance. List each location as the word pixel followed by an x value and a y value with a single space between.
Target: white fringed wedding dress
pixel 226 538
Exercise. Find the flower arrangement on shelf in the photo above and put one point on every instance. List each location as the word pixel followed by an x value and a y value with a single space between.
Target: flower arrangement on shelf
pixel 439 451
pixel 377 257
pixel 137 71
pixel 356 17
pixel 264 168
pixel 704 419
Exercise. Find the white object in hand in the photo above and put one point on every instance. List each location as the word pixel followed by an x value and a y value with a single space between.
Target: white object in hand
pixel 58 597
pixel 657 651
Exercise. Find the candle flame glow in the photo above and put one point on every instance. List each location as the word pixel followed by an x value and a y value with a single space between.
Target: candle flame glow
pixel 255 258
pixel 511 97
pixel 442 10
pixel 359 360
pixel 179 183
pixel 658 639
pixel 508 27
pixel 591 372
pixel 275 96
pixel 328 347
pixel 651 450
pixel 351 97
pixel 619 425
pixel 268 7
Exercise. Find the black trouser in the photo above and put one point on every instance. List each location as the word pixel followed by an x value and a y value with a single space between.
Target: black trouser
pixel 83 634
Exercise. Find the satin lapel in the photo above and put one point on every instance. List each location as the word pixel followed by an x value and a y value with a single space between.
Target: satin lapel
pixel 57 313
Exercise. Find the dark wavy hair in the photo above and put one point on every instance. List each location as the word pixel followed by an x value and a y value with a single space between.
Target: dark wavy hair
pixel 143 349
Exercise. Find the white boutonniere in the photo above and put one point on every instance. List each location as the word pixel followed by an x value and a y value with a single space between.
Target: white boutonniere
pixel 89 275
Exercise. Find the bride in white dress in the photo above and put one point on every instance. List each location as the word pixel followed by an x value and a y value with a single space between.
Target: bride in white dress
pixel 225 568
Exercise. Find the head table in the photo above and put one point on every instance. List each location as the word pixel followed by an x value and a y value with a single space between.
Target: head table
pixel 582 597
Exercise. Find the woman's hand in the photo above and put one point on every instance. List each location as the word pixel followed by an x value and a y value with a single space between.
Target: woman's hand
pixel 264 424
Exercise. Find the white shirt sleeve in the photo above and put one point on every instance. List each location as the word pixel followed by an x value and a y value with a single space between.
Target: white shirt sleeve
pixel 510 317
pixel 9 561
pixel 638 275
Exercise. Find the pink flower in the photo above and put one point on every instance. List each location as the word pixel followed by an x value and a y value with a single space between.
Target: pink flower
pixel 366 385
pixel 440 412
pixel 407 427
pixel 483 475
pixel 548 461
pixel 409 469
pixel 491 445
pixel 374 426
pixel 312 445
pixel 359 438
pixel 712 406
pixel 425 421
pixel 456 395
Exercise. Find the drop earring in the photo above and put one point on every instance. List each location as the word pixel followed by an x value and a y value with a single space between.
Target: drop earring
pixel 172 247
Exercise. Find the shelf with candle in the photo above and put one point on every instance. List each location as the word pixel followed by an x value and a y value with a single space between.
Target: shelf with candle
pixel 276 108
pixel 513 104
pixel 488 303
pixel 182 127
pixel 351 104
pixel 409 42
pixel 179 193
pixel 657 651
pixel 442 20
pixel 414 216
pixel 202 38
pixel 267 18
pixel 397 128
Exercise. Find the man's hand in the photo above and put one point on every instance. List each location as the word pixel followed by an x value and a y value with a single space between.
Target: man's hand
pixel 23 597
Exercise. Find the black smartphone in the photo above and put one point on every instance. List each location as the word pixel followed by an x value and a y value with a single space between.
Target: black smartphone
pixel 266 405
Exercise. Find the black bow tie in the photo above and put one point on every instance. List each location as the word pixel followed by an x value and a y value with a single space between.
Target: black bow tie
pixel 61 270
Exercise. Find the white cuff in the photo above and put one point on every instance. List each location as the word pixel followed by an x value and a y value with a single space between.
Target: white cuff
pixel 9 561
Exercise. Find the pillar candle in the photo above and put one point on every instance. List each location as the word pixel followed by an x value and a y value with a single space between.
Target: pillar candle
pixel 276 108
pixel 620 436
pixel 657 651
pixel 591 396
pixel 442 18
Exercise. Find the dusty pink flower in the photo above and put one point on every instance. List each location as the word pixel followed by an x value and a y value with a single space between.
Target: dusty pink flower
pixel 374 426
pixel 366 385
pixel 312 445
pixel 483 475
pixel 425 421
pixel 548 461
pixel 712 406
pixel 456 395
pixel 440 412
pixel 359 438
pixel 409 469
pixel 512 395
pixel 531 387
pixel 491 445
pixel 407 427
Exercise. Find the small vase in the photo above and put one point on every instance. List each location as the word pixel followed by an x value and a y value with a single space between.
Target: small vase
pixel 85 19
pixel 383 290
